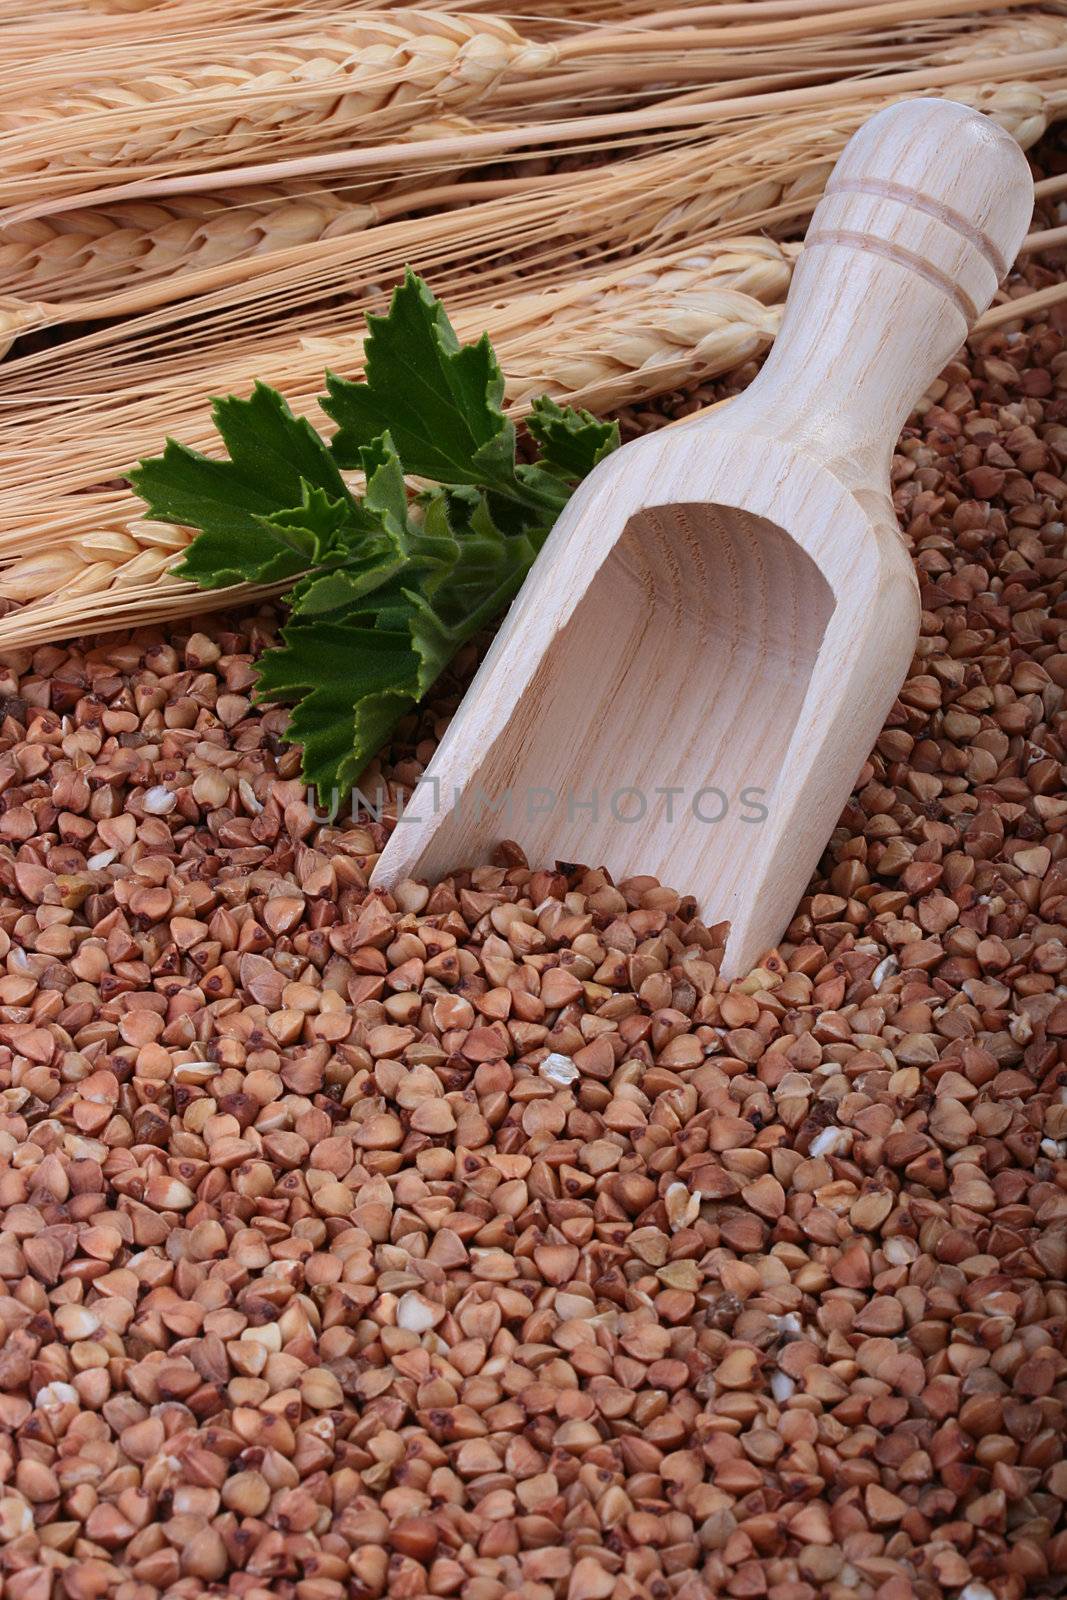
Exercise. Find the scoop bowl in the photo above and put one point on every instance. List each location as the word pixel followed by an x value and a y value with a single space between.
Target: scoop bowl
pixel 710 641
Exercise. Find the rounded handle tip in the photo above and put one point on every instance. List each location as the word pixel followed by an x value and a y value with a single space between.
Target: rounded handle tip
pixel 921 218
pixel 938 184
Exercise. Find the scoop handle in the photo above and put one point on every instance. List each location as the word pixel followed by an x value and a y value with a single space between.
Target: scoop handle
pixel 922 216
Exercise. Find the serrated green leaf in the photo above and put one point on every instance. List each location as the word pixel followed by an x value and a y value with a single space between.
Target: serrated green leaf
pixel 256 555
pixel 270 446
pixel 327 592
pixel 277 546
pixel 571 441
pixel 439 400
pixel 389 584
pixel 350 682
pixel 337 748
pixel 327 656
pixel 319 525
pixel 386 494
pixel 431 641
pixel 422 537
pixel 272 454
pixel 488 575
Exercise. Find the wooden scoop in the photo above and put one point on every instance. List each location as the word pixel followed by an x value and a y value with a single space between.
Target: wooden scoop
pixel 711 639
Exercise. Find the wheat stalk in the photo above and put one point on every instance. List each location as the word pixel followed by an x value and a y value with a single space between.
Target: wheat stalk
pixel 74 22
pixel 619 340
pixel 117 260
pixel 62 257
pixel 58 441
pixel 91 254
pixel 217 245
pixel 193 103
pixel 767 172
pixel 88 256
pixel 640 317
pixel 72 445
pixel 194 99
pixel 690 193
pixel 182 11
pixel 1040 66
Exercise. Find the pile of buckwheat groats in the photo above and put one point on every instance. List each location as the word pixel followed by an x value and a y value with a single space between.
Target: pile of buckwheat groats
pixel 480 1241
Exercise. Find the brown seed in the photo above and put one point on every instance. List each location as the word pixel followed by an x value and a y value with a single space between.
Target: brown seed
pixel 320 1390
pixel 382 1132
pixel 333 1199
pixel 882 1507
pixel 765 1196
pixel 247 1494
pixel 737 1370
pixel 416 1537
pixel 168 1194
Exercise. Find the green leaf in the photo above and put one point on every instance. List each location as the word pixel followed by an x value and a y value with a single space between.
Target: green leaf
pixel 386 494
pixel 272 454
pixel 419 536
pixel 351 684
pixel 439 400
pixel 388 584
pixel 354 673
pixel 432 642
pixel 490 570
pixel 216 560
pixel 274 547
pixel 337 590
pixel 318 526
pixel 572 442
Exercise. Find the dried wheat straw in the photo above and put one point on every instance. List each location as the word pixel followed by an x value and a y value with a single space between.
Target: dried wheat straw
pixel 177 11
pixel 85 253
pixel 704 187
pixel 563 207
pixel 80 21
pixel 619 332
pixel 1043 66
pixel 1024 305
pixel 1043 239
pixel 202 96
pixel 89 255
pixel 766 172
pixel 117 261
pixel 191 104
pixel 619 341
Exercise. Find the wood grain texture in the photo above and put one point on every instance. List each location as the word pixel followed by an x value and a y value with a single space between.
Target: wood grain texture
pixel 712 637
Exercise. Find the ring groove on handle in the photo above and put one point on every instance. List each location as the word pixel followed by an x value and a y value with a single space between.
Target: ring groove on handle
pixel 885 189
pixel 902 258
pixel 928 201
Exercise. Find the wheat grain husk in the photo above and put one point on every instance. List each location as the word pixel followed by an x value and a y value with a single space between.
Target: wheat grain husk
pixel 953 74
pixel 625 341
pixel 643 312
pixel 85 253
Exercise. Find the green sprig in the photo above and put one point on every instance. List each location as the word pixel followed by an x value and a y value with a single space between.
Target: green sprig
pixel 391 582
